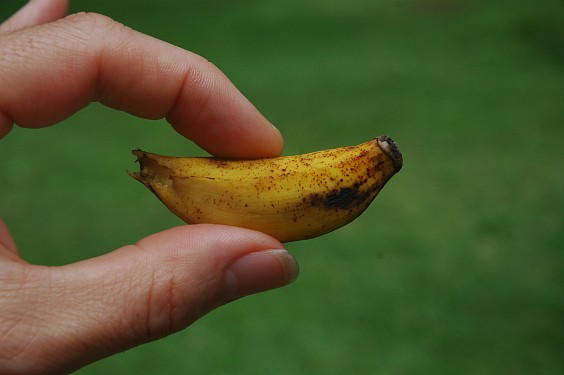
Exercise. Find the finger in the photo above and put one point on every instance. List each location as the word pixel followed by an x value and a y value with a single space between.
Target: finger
pixel 139 293
pixel 8 246
pixel 35 12
pixel 53 70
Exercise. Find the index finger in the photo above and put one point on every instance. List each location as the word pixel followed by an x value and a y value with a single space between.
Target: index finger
pixel 48 72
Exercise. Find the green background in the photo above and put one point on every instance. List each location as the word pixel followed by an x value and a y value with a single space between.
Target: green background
pixel 457 267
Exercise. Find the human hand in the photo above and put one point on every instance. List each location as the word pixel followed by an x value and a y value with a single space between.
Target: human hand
pixel 58 319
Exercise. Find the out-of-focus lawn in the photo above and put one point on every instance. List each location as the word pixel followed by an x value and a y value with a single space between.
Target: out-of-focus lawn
pixel 456 268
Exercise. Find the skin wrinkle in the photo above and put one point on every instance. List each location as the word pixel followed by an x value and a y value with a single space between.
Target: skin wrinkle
pixel 178 293
pixel 198 88
pixel 78 305
pixel 10 324
pixel 107 94
pixel 160 300
pixel 23 348
pixel 99 26
pixel 101 29
pixel 24 286
pixel 35 45
pixel 121 292
pixel 149 308
pixel 96 56
pixel 172 66
pixel 79 55
pixel 10 51
pixel 170 289
pixel 203 102
pixel 186 77
pixel 171 300
pixel 103 323
pixel 83 316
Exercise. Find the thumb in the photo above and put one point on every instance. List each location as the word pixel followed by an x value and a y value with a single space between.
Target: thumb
pixel 82 312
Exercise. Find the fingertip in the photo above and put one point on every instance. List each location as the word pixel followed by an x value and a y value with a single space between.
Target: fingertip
pixel 260 271
pixel 276 140
pixel 36 12
pixel 43 11
pixel 254 140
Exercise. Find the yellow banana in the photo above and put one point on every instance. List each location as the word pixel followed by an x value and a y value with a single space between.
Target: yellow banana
pixel 289 197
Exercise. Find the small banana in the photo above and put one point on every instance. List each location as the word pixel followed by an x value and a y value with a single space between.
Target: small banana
pixel 290 197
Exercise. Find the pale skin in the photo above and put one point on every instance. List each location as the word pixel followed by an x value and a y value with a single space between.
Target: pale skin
pixel 54 320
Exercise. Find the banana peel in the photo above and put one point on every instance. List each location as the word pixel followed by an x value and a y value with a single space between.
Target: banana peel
pixel 290 197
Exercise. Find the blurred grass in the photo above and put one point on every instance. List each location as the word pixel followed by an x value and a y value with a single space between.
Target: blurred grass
pixel 456 268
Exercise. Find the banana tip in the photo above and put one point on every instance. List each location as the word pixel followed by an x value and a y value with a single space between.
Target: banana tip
pixel 390 147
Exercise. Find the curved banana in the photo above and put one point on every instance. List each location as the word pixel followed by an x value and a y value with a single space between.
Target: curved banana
pixel 290 197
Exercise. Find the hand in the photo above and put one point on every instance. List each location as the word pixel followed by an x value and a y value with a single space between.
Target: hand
pixel 56 320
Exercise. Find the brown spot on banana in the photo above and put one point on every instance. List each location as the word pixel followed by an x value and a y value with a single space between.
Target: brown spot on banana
pixel 290 197
pixel 343 199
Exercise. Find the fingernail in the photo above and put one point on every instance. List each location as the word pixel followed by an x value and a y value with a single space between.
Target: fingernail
pixel 260 271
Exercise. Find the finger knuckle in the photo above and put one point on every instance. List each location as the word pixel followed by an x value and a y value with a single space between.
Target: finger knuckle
pixel 167 302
